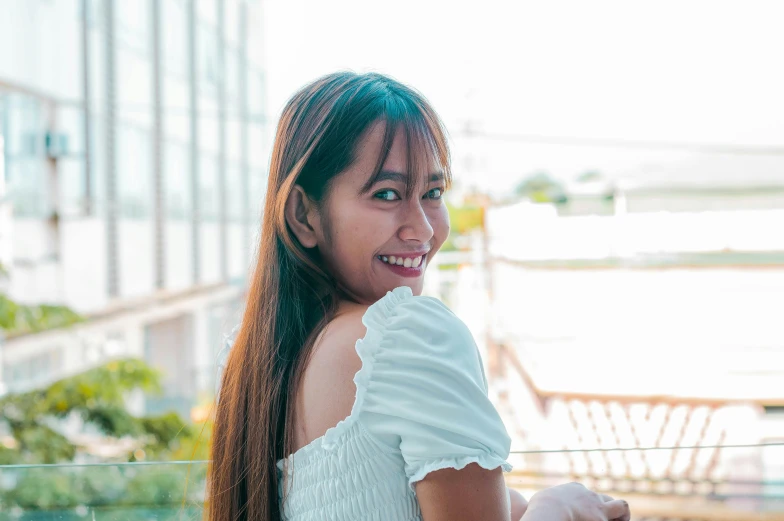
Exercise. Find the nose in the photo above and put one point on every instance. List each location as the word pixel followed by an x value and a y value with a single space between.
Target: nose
pixel 416 225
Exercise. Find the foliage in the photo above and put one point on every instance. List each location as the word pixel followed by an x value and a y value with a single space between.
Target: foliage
pixel 124 492
pixel 541 187
pixel 31 424
pixel 590 176
pixel 18 318
pixel 195 446
pixel 97 397
pixel 465 219
pixel 44 489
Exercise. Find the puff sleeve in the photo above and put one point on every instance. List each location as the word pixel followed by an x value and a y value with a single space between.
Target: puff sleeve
pixel 422 389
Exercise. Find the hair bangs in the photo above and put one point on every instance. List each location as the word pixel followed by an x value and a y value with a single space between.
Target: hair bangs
pixel 425 141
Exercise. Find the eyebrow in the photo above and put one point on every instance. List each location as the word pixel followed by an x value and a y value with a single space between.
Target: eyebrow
pixel 399 177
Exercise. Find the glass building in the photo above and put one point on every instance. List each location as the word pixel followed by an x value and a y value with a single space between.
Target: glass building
pixel 133 152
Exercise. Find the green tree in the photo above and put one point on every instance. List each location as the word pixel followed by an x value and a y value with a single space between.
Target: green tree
pixel 18 318
pixel 465 218
pixel 30 428
pixel 97 397
pixel 590 176
pixel 541 187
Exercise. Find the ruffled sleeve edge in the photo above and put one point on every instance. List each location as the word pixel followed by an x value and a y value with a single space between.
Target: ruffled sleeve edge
pixel 375 320
pixel 487 461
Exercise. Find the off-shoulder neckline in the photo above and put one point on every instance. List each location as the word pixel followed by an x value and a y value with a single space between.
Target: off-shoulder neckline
pixel 374 319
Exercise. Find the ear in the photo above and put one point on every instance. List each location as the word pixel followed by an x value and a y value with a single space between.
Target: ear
pixel 301 217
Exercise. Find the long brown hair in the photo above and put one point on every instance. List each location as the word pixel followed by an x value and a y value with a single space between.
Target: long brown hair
pixel 291 297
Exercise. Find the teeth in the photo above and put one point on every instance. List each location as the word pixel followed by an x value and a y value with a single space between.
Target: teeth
pixel 407 262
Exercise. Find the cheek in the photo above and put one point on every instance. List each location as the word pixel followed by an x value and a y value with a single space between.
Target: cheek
pixel 356 230
pixel 439 221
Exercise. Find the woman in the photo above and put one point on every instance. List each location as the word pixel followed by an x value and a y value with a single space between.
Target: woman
pixel 346 395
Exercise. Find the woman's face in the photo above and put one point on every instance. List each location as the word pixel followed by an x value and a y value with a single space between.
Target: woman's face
pixel 377 240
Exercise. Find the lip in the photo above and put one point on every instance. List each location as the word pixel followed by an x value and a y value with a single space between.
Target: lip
pixel 411 254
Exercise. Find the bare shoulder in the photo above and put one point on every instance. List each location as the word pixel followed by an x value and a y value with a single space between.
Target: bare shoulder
pixel 326 394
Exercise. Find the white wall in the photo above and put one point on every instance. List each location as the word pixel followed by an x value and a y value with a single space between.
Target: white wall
pixel 709 332
pixel 83 258
pixel 76 278
pixel 136 257
pixel 535 232
pixel 35 276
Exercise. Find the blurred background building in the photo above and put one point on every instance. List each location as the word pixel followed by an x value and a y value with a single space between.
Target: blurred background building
pixel 132 165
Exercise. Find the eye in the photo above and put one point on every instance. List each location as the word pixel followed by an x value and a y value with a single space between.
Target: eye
pixel 386 195
pixel 435 193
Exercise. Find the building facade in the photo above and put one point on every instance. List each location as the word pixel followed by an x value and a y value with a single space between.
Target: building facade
pixel 134 158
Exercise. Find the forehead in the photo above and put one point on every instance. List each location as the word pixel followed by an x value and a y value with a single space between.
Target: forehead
pixel 401 158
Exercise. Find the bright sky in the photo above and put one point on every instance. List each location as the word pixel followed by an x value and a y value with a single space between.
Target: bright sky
pixel 673 71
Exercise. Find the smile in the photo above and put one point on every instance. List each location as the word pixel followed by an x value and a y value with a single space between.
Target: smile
pixel 404 261
pixel 405 265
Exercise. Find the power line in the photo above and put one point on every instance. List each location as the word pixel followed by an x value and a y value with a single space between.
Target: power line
pixel 626 449
pixel 702 148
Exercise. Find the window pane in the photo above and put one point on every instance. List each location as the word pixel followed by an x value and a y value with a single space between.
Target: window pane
pixel 24 155
pixel 255 44
pixel 176 109
pixel 207 10
pixel 208 188
pixel 70 123
pixel 98 164
pixel 208 125
pixel 175 36
pixel 134 172
pixel 232 76
pixel 234 193
pixel 208 66
pixel 255 94
pixel 179 211
pixel 177 182
pixel 232 21
pixel 72 185
pixel 133 21
pixel 134 88
pixel 258 179
pixel 258 148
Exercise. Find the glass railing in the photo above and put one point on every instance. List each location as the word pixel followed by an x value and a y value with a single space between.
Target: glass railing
pixel 710 483
pixel 155 491
pixel 738 483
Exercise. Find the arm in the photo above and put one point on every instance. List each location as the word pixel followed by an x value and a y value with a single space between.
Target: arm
pixel 475 493
pixel 463 495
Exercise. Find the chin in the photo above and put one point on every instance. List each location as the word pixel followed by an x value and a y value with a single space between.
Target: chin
pixel 415 285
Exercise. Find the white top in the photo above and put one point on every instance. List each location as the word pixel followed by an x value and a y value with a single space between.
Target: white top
pixel 421 405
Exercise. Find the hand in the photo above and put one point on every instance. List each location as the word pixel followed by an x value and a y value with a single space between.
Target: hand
pixel 574 502
pixel 518 504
